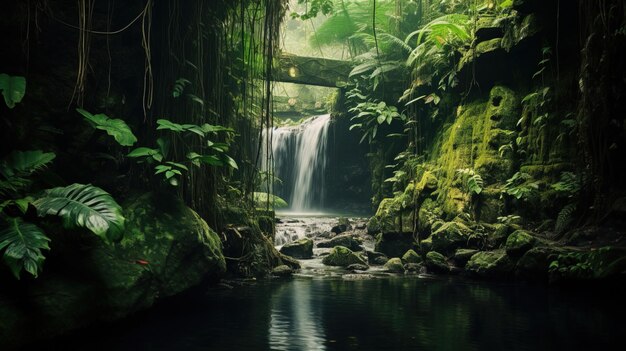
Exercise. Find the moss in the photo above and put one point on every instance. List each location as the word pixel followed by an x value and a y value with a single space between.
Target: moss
pixel 394 244
pixel 394 265
pixel 450 236
pixel 490 264
pixel 461 256
pixel 436 262
pixel 342 256
pixel 519 242
pixel 411 257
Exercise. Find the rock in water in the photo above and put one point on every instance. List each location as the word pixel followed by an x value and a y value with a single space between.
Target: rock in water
pixel 345 240
pixel 302 248
pixel 490 264
pixel 518 243
pixel 282 271
pixel 436 262
pixel 342 256
pixel 394 265
pixel 411 257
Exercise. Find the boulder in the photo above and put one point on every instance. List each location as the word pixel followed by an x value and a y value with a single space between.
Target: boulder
pixel 394 265
pixel 411 257
pixel 346 240
pixel 450 236
pixel 518 243
pixel 282 271
pixel 394 244
pixel 380 261
pixel 302 248
pixel 413 267
pixel 358 267
pixel 535 262
pixel 436 262
pixel 490 264
pixel 499 236
pixel 342 256
pixel 461 256
pixel 167 248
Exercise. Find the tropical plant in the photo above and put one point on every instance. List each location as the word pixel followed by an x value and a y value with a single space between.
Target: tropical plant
pixel 370 113
pixel 520 186
pixel 116 128
pixel 213 154
pixel 22 243
pixel 18 166
pixel 473 181
pixel 13 89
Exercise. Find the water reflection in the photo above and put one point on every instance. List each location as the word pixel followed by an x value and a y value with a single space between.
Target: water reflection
pixel 294 323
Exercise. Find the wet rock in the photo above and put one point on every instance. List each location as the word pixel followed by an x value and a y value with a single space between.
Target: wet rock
pixel 436 262
pixel 411 257
pixel 518 243
pixel 490 264
pixel 358 267
pixel 535 262
pixel 372 255
pixel 326 235
pixel 450 236
pixel 394 244
pixel 499 235
pixel 356 276
pixel 345 240
pixel 380 261
pixel 413 267
pixel 302 248
pixel 338 229
pixel 394 265
pixel 282 271
pixel 461 256
pixel 342 256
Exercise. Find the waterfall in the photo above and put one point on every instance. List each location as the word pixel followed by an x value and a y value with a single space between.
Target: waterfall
pixel 300 162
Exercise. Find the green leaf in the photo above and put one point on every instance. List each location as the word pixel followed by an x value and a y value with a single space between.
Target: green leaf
pixel 13 89
pixel 179 165
pixel 230 162
pixel 116 128
pixel 168 125
pixel 22 243
pixel 84 206
pixel 142 152
pixel 381 119
pixel 25 162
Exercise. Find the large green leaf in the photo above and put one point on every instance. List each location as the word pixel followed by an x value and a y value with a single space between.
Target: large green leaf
pixel 116 128
pixel 18 165
pixel 13 89
pixel 22 243
pixel 261 199
pixel 84 206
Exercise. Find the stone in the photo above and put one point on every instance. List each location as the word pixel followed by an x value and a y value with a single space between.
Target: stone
pixel 499 235
pixel 342 256
pixel 534 263
pixel 436 262
pixel 413 267
pixel 167 248
pixel 450 236
pixel 461 256
pixel 518 243
pixel 302 248
pixel 394 265
pixel 346 240
pixel 490 264
pixel 371 255
pixel 380 261
pixel 282 271
pixel 338 229
pixel 411 257
pixel 394 244
pixel 358 267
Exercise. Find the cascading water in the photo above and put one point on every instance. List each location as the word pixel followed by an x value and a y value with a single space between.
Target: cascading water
pixel 299 155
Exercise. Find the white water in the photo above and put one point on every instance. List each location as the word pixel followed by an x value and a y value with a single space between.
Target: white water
pixel 299 155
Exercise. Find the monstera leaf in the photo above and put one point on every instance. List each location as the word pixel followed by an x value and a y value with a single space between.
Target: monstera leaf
pixel 22 243
pixel 13 89
pixel 84 206
pixel 116 128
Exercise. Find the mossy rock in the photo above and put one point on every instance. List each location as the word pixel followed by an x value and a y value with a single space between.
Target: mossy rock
pixel 499 235
pixel 302 248
pixel 426 245
pixel 346 240
pixel 518 243
pixel 533 265
pixel 436 262
pixel 461 256
pixel 490 264
pixel 450 236
pixel 411 257
pixel 394 265
pixel 394 244
pixel 342 256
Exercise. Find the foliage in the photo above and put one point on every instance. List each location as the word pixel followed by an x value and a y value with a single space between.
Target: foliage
pixel 565 218
pixel 22 243
pixel 210 153
pixel 313 7
pixel 116 128
pixel 473 181
pixel 16 167
pixel 13 89
pixel 569 184
pixel 520 186
pixel 370 113
pixel 84 206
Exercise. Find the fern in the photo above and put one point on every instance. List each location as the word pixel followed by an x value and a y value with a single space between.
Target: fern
pixel 565 218
pixel 18 165
pixel 473 181
pixel 84 206
pixel 22 244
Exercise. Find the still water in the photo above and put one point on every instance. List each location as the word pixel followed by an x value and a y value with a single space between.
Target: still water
pixel 384 313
